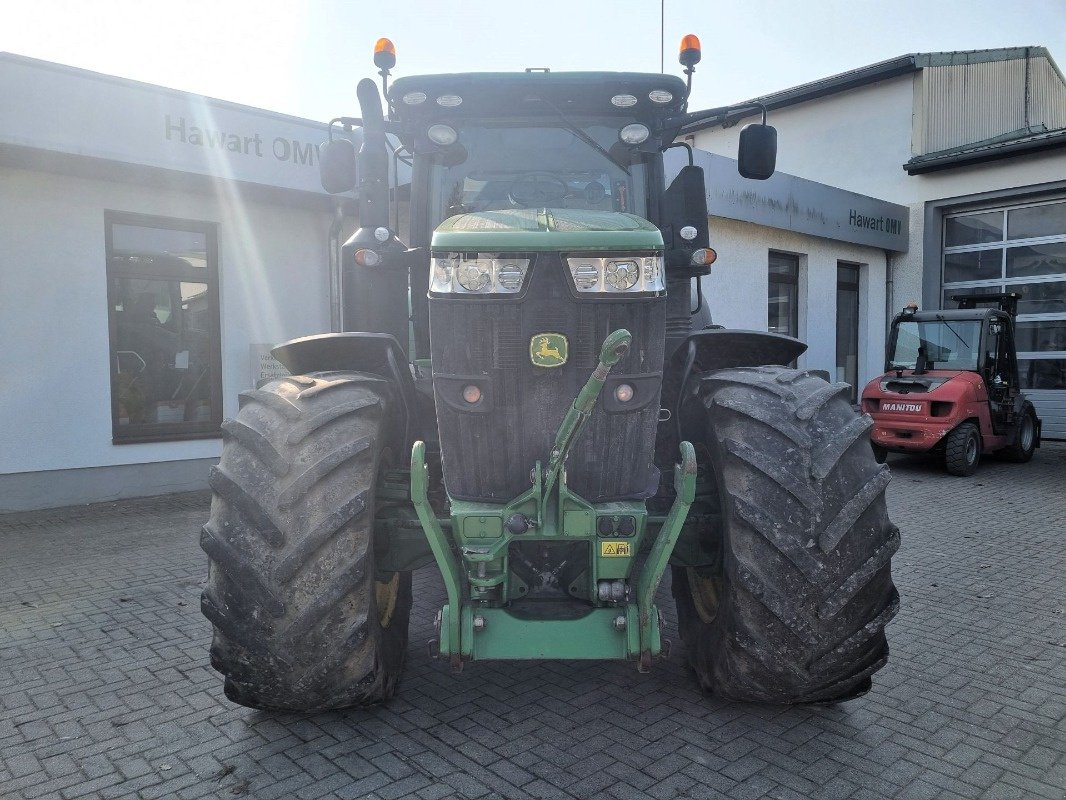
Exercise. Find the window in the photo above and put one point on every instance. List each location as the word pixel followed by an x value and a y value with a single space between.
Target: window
pixel 848 325
pixel 783 298
pixel 1016 249
pixel 162 284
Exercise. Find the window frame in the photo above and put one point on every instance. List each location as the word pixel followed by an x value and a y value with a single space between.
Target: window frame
pixel 855 269
pixel 148 432
pixel 792 279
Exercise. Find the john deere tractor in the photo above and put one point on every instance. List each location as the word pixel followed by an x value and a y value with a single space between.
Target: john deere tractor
pixel 531 396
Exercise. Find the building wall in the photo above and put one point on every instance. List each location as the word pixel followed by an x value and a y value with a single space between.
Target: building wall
pixel 860 139
pixel 736 289
pixel 54 368
pixel 965 103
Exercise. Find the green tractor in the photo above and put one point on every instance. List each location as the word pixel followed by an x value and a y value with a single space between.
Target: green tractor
pixel 528 399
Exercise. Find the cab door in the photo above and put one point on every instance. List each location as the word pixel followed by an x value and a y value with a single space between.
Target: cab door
pixel 1001 374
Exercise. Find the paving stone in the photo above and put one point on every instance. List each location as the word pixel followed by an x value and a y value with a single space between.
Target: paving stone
pixel 113 698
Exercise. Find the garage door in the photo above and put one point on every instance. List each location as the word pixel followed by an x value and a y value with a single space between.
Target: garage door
pixel 1020 248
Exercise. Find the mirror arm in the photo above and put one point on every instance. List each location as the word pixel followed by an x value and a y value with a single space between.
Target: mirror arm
pixel 346 122
pixel 687 147
pixel 721 111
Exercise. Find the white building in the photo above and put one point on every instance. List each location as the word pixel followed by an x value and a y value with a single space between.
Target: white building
pixel 973 144
pixel 133 213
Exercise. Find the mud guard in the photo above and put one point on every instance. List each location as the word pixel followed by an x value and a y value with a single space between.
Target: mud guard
pixel 376 353
pixel 720 348
pixel 706 351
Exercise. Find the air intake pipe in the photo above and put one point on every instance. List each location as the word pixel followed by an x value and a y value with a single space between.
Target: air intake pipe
pixel 375 265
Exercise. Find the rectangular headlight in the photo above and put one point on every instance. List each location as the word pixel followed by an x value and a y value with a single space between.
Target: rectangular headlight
pixel 477 273
pixel 613 274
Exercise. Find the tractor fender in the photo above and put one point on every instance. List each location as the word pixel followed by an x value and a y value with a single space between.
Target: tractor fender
pixel 706 351
pixel 721 348
pixel 375 353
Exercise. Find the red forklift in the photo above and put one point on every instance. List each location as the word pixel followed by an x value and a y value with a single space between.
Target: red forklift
pixel 951 386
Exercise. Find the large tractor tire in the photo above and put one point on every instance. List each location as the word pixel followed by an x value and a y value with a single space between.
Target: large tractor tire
pixel 797 609
pixel 302 622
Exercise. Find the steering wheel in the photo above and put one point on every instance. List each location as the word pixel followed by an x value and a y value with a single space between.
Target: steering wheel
pixel 537 189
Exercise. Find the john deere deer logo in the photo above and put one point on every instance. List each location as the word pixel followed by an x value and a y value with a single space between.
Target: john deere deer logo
pixel 548 350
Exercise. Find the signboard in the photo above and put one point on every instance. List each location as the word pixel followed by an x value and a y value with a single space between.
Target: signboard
pixel 52 107
pixel 796 204
pixel 264 366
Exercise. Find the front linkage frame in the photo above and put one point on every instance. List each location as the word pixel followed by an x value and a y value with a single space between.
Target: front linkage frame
pixel 479 580
pixel 619 630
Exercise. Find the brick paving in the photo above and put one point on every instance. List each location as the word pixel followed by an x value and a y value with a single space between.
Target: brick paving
pixel 105 690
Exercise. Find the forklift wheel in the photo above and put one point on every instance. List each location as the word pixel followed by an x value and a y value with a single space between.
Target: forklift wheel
pixel 1024 444
pixel 962 450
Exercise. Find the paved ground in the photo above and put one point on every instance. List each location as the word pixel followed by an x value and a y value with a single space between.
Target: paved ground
pixel 105 689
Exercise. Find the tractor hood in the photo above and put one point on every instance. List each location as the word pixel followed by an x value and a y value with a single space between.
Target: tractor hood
pixel 546 229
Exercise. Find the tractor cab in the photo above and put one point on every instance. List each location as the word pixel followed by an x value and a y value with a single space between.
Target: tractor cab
pixel 948 371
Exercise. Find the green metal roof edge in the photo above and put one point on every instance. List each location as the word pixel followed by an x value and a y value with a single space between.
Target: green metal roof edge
pixel 987 150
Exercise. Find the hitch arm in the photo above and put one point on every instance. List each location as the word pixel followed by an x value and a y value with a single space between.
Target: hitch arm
pixel 614 347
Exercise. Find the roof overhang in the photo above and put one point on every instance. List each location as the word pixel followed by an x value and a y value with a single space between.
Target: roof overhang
pixel 983 152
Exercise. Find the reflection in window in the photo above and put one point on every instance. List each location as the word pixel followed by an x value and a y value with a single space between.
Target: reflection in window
pixel 1042 336
pixel 165 358
pixel 1031 222
pixel 1037 259
pixel 973 229
pixel 949 300
pixel 1041 298
pixel 973 265
pixel 783 297
pixel 1043 373
pixel 848 326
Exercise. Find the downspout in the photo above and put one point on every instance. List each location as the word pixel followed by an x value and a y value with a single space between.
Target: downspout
pixel 336 287
pixel 889 285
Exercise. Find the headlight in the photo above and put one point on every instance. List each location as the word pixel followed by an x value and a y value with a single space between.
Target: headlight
pixel 611 274
pixel 621 275
pixel 480 273
pixel 634 133
pixel 443 135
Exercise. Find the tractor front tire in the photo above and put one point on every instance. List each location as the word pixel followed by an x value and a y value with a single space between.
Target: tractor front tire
pixel 302 621
pixel 796 613
pixel 962 450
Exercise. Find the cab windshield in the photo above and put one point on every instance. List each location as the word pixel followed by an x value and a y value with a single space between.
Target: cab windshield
pixel 947 344
pixel 538 163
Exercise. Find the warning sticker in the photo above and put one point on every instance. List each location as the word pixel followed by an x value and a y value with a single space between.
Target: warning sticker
pixel 614 549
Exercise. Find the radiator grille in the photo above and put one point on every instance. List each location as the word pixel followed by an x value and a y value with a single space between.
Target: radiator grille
pixel 489 456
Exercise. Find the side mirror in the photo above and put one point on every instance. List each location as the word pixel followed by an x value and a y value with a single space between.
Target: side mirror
pixel 336 166
pixel 757 156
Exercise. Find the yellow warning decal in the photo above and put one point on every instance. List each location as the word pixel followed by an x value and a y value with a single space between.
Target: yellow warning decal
pixel 608 549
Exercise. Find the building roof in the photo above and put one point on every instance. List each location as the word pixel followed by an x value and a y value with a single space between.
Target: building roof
pixel 1016 143
pixel 872 73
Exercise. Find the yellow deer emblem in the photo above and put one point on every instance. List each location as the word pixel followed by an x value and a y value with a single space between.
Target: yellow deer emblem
pixel 548 350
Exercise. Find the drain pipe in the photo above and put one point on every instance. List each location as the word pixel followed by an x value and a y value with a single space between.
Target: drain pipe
pixel 336 284
pixel 889 288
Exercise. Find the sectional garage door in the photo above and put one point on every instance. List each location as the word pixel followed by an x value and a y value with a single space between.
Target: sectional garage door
pixel 1019 248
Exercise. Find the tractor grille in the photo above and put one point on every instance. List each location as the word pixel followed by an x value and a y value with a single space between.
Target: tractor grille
pixel 488 454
